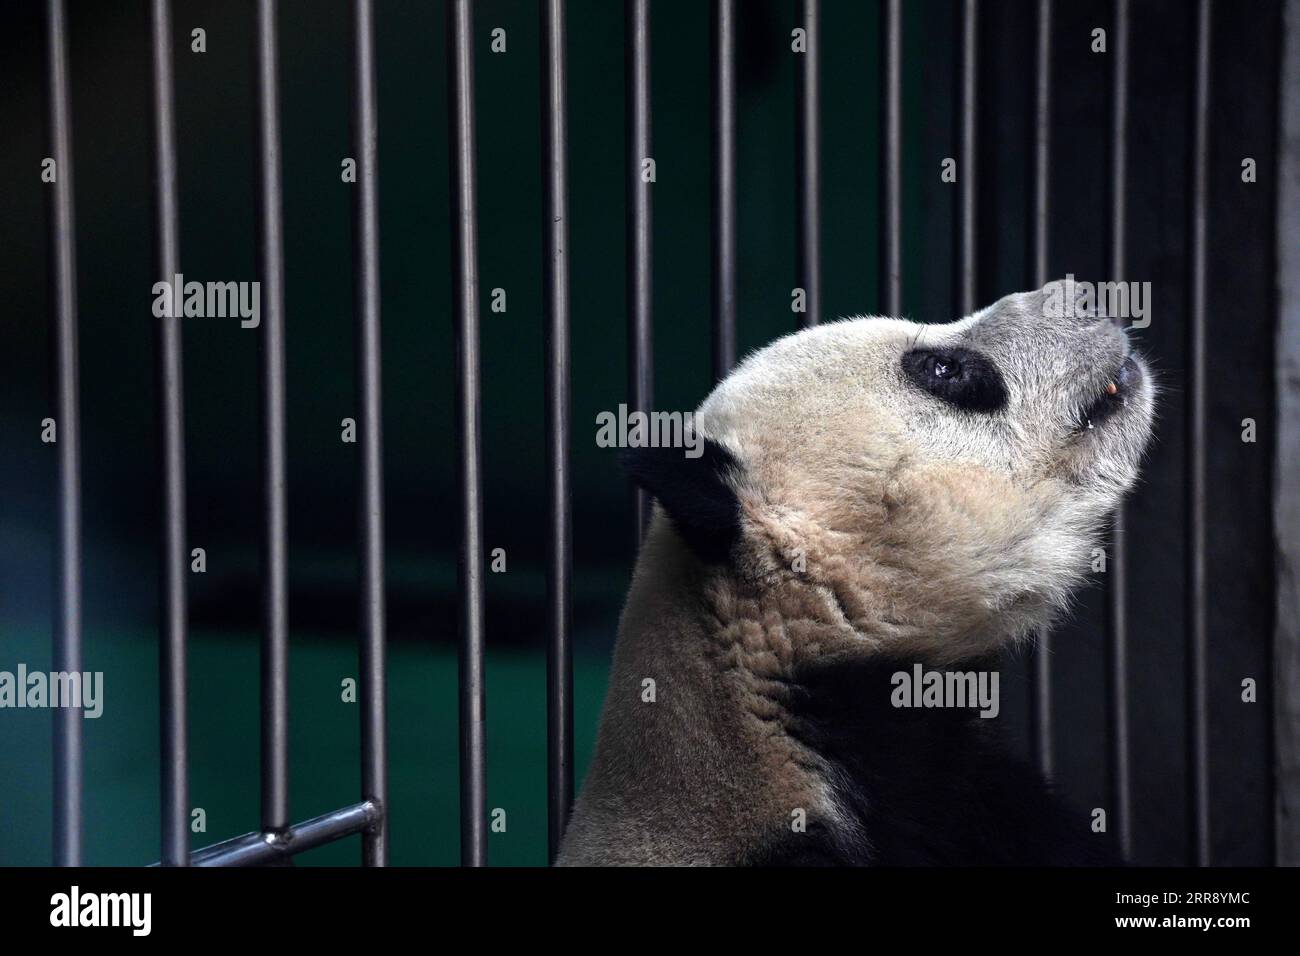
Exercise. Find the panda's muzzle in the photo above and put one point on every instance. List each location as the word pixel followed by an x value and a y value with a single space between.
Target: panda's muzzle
pixel 1115 396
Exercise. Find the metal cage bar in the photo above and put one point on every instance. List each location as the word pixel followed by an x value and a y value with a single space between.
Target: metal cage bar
pixel 559 564
pixel 174 741
pixel 969 77
pixel 68 557
pixel 891 158
pixel 640 238
pixel 1117 577
pixel 365 254
pixel 257 848
pixel 808 165
pixel 723 50
pixel 1041 685
pixel 1197 581
pixel 275 558
pixel 473 759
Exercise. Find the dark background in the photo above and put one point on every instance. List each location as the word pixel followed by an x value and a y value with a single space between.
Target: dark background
pixel 109 50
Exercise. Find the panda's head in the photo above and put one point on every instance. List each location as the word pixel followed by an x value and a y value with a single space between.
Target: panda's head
pixel 942 486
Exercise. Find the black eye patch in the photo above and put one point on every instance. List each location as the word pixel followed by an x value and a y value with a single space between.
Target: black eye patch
pixel 960 377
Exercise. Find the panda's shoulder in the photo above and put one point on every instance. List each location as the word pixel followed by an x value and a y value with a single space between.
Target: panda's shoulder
pixel 925 787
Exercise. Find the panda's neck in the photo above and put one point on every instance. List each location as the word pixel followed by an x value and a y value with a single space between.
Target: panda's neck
pixel 726 724
pixel 698 718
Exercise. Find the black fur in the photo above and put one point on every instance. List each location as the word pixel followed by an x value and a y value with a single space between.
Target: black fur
pixel 695 493
pixel 925 786
pixel 961 377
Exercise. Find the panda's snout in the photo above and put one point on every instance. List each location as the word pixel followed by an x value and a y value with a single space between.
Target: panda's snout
pixel 1115 395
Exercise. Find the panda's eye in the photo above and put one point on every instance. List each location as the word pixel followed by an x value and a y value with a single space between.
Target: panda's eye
pixel 941 367
pixel 960 377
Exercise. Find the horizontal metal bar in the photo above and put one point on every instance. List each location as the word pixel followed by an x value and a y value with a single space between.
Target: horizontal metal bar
pixel 256 848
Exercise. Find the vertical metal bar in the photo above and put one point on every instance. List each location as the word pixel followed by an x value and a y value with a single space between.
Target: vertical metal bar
pixel 808 168
pixel 1042 137
pixel 63 295
pixel 640 248
pixel 1198 640
pixel 891 158
pixel 172 647
pixel 559 658
pixel 966 176
pixel 365 258
pixel 1040 688
pixel 275 595
pixel 1117 578
pixel 1284 654
pixel 724 187
pixel 473 765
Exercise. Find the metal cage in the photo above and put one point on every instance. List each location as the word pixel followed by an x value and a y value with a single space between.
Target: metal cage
pixel 277 836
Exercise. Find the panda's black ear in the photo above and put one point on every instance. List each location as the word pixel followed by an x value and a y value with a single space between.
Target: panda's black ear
pixel 694 491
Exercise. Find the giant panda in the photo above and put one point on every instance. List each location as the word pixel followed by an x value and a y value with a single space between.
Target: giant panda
pixel 872 494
